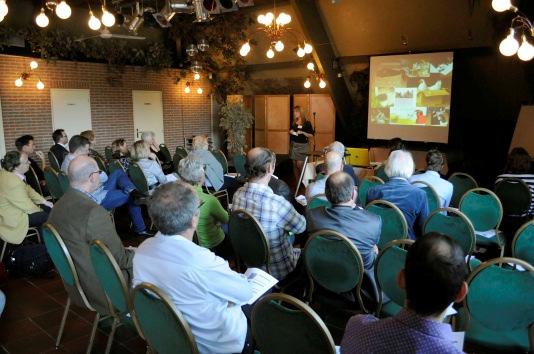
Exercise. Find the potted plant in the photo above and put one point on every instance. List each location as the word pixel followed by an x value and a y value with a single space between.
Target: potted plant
pixel 235 119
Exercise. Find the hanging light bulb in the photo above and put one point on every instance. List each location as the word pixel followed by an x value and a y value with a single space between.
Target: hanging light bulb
pixel 19 82
pixel 310 66
pixel 63 10
pixel 33 65
pixel 199 90
pixel 279 46
pixel 301 52
pixel 307 48
pixel 3 9
pixel 269 18
pixel 526 50
pixel 40 85
pixel 261 19
pixel 196 76
pixel 245 49
pixel 42 20
pixel 509 45
pixel 322 83
pixel 307 83
pixel 270 53
pixel 187 89
pixel 107 17
pixel 501 5
pixel 94 22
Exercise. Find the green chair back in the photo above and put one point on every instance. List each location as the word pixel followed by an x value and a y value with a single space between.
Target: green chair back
pixel 52 182
pixel 248 239
pixel 318 201
pixel 523 243
pixel 115 165
pixel 364 187
pixel 63 262
pixel 102 166
pixel 162 324
pixel 287 329
pixel 389 263
pixel 334 262
pixel 501 300
pixel 239 163
pixel 431 195
pixel 483 208
pixel 176 161
pixel 138 177
pixel 33 181
pixel 394 225
pixel 53 161
pixel 221 158
pixel 461 182
pixel 165 152
pixel 180 150
pixel 108 153
pixel 453 223
pixel 380 172
pixel 514 195
pixel 63 181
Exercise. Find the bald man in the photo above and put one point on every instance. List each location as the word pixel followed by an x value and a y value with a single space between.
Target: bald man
pixel 334 163
pixel 79 219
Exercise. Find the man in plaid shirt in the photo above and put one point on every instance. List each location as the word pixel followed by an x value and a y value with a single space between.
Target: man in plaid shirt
pixel 275 214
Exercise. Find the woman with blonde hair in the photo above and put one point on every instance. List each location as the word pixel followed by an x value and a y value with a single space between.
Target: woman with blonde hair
pixel 301 131
pixel 152 170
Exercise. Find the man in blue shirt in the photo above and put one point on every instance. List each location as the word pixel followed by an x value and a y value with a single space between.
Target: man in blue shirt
pixel 412 201
pixel 433 277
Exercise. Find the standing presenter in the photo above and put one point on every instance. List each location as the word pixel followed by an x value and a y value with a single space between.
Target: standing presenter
pixel 300 133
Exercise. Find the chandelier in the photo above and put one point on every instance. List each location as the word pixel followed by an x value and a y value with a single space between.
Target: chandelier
pixel 275 28
pixel 520 25
pixel 315 75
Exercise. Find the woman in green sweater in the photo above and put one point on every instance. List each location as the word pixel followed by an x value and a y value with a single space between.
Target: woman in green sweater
pixel 212 215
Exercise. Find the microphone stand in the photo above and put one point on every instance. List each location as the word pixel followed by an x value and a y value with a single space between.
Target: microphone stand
pixel 314 131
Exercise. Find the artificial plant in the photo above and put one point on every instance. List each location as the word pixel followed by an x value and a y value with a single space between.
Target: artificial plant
pixel 235 119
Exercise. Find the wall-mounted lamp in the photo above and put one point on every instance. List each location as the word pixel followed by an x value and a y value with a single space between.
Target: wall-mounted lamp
pixel 520 26
pixel 25 75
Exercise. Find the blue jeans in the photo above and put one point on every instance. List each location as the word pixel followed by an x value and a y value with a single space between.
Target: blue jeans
pixel 2 302
pixel 118 187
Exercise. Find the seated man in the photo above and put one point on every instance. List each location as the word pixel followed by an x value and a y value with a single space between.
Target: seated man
pixel 61 145
pixel 518 166
pixel 340 149
pixel 434 164
pixel 80 220
pixel 433 277
pixel 26 145
pixel 114 191
pixel 202 286
pixel 397 190
pixel 334 163
pixel 360 226
pixel 90 135
pixel 275 214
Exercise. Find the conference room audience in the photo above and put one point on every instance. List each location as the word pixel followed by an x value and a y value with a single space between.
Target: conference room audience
pixel 26 144
pixel 340 149
pixel 79 220
pixel 334 163
pixel 114 191
pixel 410 200
pixel 275 214
pixel 359 225
pixel 90 135
pixel 212 215
pixel 433 278
pixel 518 165
pixel 202 286
pixel 61 145
pixel 20 206
pixel 153 172
pixel 434 164
pixel 214 170
pixel 120 152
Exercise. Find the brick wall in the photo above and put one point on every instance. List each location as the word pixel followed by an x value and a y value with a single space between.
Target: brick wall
pixel 26 110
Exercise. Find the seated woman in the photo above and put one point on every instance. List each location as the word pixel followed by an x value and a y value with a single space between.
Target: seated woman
pixel 212 214
pixel 155 152
pixel 121 152
pixel 153 172
pixel 20 206
pixel 518 166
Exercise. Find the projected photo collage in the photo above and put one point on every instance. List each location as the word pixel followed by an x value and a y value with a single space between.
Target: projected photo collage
pixel 406 91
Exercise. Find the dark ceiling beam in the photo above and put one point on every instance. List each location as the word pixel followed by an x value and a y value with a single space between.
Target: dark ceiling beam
pixel 272 66
pixel 310 18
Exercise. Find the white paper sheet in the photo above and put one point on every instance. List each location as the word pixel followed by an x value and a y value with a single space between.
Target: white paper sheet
pixel 260 282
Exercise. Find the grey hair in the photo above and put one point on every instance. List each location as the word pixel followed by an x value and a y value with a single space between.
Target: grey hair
pixel 79 173
pixel 200 142
pixel 147 134
pixel 333 161
pixel 337 147
pixel 339 188
pixel 191 170
pixel 172 207
pixel 400 164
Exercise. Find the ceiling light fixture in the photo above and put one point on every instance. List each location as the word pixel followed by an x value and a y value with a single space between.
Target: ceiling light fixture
pixel 3 9
pixel 63 10
pixel 521 26
pixel 94 23
pixel 310 66
pixel 42 20
pixel 107 17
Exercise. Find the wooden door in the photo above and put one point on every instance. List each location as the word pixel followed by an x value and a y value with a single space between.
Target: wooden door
pixel 277 119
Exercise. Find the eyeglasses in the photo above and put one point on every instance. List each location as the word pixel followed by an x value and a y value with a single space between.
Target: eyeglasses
pixel 92 173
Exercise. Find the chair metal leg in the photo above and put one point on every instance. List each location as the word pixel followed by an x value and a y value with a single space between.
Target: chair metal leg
pixel 93 332
pixel 63 321
pixel 3 251
pixel 112 334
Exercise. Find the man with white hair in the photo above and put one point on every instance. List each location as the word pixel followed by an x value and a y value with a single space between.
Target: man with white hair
pixel 334 163
pixel 340 149
pixel 410 200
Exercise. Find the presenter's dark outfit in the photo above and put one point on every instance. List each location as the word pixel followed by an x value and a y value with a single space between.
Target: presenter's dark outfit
pixel 299 143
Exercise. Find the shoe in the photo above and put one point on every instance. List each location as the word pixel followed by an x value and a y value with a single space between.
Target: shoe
pixel 144 234
pixel 137 195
